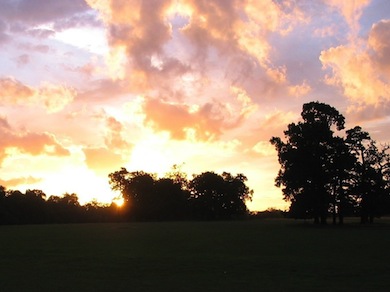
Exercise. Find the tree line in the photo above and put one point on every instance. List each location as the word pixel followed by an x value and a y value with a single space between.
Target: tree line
pixel 33 207
pixel 207 196
pixel 324 174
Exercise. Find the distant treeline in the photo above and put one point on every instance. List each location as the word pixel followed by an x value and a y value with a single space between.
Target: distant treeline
pixel 208 196
pixel 33 207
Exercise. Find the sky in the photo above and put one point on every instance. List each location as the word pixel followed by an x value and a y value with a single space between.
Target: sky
pixel 88 87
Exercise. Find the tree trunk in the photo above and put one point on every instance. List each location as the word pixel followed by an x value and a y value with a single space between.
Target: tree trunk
pixel 371 218
pixel 341 219
pixel 334 215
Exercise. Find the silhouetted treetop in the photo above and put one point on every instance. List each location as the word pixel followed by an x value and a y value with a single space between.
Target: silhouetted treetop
pixel 317 112
pixel 321 173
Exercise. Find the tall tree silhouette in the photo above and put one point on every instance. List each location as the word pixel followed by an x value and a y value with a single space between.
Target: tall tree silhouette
pixel 305 160
pixel 372 163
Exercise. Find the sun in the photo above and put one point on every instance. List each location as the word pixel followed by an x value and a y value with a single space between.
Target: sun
pixel 119 202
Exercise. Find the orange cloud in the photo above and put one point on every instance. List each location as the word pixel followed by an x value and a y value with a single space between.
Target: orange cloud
pixel 362 69
pixel 205 122
pixel 379 41
pixel 12 90
pixel 27 142
pixel 299 90
pixel 14 182
pixel 273 124
pixel 51 97
pixel 180 121
pixel 140 31
pixel 114 136
pixel 102 160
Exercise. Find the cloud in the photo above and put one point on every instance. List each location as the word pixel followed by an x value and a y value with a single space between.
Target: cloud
pixel 181 121
pixel 3 29
pixel 362 71
pixel 13 91
pixel 142 37
pixel 379 41
pixel 102 90
pixel 255 141
pixel 33 12
pixel 233 26
pixel 199 122
pixel 43 49
pixel 54 97
pixel 42 19
pixel 327 31
pixel 28 142
pixel 41 33
pixel 358 113
pixel 102 160
pixel 14 182
pixel 350 10
pixel 23 59
pixel 114 136
pixel 299 90
pixel 113 154
pixel 49 96
pixel 264 148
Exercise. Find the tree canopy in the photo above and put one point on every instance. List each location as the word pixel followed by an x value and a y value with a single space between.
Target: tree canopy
pixel 321 172
pixel 208 196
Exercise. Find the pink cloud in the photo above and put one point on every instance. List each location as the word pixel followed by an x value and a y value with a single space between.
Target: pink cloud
pixel 206 122
pixel 379 41
pixel 362 71
pixel 140 34
pixel 44 49
pixel 350 10
pixel 29 142
pixel 23 59
pixel 114 136
pixel 49 96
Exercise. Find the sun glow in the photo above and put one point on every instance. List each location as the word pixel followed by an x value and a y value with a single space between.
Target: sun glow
pixel 119 202
pixel 80 181
pixel 152 155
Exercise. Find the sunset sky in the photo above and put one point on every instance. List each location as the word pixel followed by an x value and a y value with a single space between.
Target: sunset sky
pixel 87 87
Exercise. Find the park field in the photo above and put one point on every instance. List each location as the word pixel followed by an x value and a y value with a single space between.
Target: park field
pixel 254 255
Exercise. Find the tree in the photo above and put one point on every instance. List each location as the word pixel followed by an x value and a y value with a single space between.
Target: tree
pixel 137 189
pixel 358 141
pixel 3 208
pixel 214 196
pixel 237 194
pixel 370 185
pixel 178 176
pixel 342 163
pixel 306 160
pixel 171 200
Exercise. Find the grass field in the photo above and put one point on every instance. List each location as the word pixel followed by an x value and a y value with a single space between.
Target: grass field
pixel 261 255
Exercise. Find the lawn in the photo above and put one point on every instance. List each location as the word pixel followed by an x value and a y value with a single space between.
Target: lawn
pixel 258 255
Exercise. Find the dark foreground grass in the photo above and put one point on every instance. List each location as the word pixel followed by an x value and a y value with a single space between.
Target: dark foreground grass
pixel 267 255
